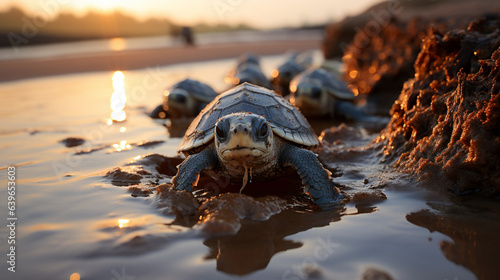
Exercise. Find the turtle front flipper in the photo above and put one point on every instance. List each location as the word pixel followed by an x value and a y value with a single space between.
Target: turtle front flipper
pixel 313 175
pixel 191 167
pixel 159 113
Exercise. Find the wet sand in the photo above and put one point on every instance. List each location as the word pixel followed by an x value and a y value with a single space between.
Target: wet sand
pixel 17 69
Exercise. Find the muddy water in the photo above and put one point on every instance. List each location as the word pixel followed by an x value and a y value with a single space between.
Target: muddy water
pixel 91 211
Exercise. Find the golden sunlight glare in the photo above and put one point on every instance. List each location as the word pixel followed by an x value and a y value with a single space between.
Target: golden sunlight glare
pixel 123 223
pixel 117 44
pixel 118 98
pixel 122 146
pixel 106 5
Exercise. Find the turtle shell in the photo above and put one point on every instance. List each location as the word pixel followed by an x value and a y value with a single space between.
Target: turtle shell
pixel 198 90
pixel 285 120
pixel 333 85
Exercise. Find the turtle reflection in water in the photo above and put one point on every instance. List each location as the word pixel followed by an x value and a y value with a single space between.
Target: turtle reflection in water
pixel 255 244
pixel 252 132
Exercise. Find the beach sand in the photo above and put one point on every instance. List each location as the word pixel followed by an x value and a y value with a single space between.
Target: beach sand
pixel 17 69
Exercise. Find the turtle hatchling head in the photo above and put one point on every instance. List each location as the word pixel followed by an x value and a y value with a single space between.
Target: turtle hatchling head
pixel 243 137
pixel 311 98
pixel 179 103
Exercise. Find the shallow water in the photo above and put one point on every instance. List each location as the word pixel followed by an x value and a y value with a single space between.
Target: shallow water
pixel 154 42
pixel 72 220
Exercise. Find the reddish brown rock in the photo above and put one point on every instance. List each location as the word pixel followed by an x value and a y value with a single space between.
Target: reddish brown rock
pixel 380 45
pixel 339 35
pixel 445 124
pixel 382 63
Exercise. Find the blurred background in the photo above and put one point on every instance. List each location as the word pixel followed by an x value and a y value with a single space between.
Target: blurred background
pixel 93 19
pixel 78 80
pixel 53 29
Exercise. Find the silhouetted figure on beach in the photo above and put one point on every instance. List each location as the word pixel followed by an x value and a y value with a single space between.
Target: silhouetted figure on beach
pixel 187 35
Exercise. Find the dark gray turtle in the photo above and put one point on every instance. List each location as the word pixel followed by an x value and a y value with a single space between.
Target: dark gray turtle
pixel 247 70
pixel 284 74
pixel 317 92
pixel 250 131
pixel 184 99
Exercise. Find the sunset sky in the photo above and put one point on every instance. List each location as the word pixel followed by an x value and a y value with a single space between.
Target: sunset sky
pixel 258 13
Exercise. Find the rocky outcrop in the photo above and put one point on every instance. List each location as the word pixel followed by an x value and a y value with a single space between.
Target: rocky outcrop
pixel 380 45
pixel 445 124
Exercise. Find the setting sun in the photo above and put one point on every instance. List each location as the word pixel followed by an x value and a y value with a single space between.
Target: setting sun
pixel 106 6
pixel 272 14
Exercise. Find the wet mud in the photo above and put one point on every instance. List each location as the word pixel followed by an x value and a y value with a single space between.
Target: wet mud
pixel 214 206
pixel 445 123
pixel 380 45
pixel 73 141
pixel 122 177
pixel 377 67
pixel 339 35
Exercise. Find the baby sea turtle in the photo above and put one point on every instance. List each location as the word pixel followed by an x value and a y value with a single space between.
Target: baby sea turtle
pixel 247 70
pixel 250 131
pixel 317 92
pixel 184 99
pixel 295 64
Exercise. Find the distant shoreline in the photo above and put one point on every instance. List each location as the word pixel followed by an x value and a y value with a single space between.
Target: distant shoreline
pixel 45 39
pixel 17 69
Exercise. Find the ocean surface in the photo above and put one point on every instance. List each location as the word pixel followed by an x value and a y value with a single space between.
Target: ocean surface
pixel 73 222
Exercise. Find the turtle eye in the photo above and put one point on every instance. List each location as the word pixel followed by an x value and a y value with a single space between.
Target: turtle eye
pixel 220 132
pixel 263 130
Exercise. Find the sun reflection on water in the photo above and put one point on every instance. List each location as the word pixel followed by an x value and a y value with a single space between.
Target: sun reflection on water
pixel 117 44
pixel 122 146
pixel 118 98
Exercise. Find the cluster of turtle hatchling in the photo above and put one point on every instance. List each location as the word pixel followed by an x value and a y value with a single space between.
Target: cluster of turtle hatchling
pixel 316 91
pixel 257 129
